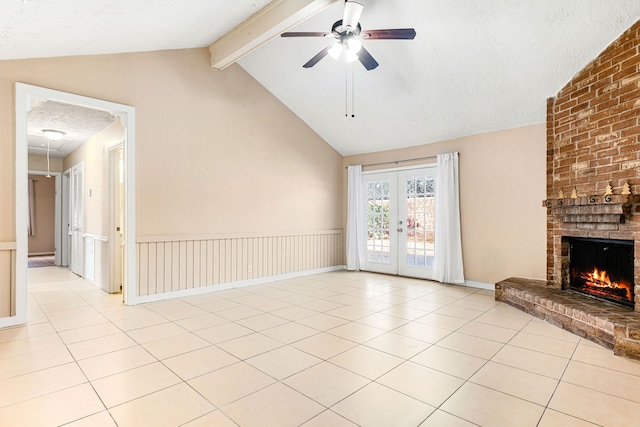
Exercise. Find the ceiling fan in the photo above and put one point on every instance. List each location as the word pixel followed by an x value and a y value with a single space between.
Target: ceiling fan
pixel 349 36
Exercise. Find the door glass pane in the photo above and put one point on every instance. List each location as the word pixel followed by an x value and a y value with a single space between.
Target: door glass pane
pixel 378 223
pixel 420 225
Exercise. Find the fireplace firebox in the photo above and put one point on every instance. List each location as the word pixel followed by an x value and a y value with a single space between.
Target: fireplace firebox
pixel 602 268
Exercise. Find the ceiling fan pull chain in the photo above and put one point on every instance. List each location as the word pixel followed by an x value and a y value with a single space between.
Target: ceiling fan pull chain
pixel 346 91
pixel 353 92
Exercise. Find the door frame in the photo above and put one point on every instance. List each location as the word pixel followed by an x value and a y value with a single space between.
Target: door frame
pixel 27 96
pixel 114 245
pixel 65 223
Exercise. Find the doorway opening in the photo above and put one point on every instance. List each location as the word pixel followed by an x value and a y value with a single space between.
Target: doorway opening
pixel 43 219
pixel 28 96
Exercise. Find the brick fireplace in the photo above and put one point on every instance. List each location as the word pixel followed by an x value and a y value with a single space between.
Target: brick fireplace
pixel 593 157
pixel 593 192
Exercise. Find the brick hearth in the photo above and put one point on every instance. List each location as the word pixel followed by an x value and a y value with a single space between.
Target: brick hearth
pixel 593 182
pixel 607 324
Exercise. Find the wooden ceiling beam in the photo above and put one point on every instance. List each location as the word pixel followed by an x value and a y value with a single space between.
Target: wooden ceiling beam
pixel 266 24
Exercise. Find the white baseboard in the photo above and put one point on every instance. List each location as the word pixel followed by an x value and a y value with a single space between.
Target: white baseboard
pixel 480 285
pixel 231 285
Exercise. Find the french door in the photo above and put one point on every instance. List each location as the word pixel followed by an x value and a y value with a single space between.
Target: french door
pixel 400 221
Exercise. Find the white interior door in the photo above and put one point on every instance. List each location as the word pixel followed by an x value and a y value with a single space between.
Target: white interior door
pixel 400 213
pixel 77 219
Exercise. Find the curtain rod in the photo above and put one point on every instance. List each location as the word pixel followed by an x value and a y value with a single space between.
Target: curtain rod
pixel 401 161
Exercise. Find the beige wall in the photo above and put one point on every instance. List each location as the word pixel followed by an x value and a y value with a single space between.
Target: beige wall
pixel 216 153
pixel 502 185
pixel 95 155
pixel 43 240
pixel 39 163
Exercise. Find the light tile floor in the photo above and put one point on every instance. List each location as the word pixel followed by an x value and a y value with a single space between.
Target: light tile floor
pixel 334 349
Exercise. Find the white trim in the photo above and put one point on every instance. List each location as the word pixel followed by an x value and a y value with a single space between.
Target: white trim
pixel 479 285
pixel 130 284
pixel 233 285
pixel 115 249
pixel 8 246
pixel 189 237
pixel 96 237
pixel 65 243
pixel 22 105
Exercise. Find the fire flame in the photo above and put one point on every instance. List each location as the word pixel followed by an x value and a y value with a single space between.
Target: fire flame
pixel 600 279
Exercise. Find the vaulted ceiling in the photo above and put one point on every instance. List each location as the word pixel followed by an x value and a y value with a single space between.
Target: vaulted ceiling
pixel 474 66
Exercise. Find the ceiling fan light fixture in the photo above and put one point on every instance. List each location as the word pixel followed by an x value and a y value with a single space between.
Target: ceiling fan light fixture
pixel 53 135
pixel 354 45
pixel 335 51
pixel 348 36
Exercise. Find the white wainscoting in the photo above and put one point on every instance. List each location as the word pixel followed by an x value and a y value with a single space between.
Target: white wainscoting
pixel 96 260
pixel 171 264
pixel 7 278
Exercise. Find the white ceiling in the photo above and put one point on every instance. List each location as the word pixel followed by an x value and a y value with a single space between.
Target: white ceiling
pixel 475 65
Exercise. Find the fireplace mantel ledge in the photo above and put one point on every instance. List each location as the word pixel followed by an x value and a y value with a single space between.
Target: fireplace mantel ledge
pixel 614 208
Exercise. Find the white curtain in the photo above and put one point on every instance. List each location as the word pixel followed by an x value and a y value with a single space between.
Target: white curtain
pixel 31 230
pixel 356 242
pixel 447 264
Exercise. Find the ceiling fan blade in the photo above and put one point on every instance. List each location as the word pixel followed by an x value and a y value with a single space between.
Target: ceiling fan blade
pixel 352 12
pixel 305 34
pixel 313 61
pixel 393 34
pixel 366 59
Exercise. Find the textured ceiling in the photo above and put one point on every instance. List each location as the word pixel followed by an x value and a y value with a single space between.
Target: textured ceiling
pixel 475 65
pixel 44 28
pixel 78 123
